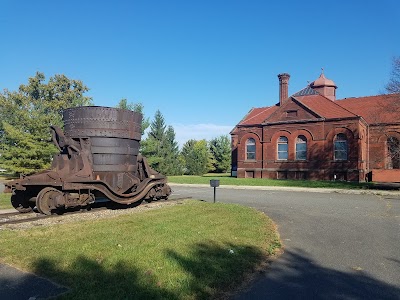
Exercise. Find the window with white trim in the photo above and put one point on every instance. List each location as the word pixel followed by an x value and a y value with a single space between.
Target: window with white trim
pixel 283 148
pixel 301 147
pixel 340 147
pixel 250 149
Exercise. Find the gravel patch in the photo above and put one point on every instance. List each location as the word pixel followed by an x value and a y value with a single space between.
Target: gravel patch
pixel 91 215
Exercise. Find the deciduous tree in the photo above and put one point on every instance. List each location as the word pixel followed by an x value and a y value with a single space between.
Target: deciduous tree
pixel 137 107
pixel 390 158
pixel 393 142
pixel 196 156
pixel 393 86
pixel 25 118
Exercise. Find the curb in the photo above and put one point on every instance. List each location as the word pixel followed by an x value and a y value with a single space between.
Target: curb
pixel 297 189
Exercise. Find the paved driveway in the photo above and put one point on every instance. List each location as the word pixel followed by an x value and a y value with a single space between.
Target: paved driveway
pixel 336 246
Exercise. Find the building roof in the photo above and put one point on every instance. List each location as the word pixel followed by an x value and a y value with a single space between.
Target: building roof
pixel 257 115
pixel 374 109
pixel 320 105
pixel 308 90
pixel 325 107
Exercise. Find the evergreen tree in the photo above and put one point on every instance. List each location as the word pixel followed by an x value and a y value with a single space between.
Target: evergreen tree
pixel 196 156
pixel 158 127
pixel 220 147
pixel 25 117
pixel 186 153
pixel 155 140
pixel 160 147
pixel 211 162
pixel 151 146
pixel 172 162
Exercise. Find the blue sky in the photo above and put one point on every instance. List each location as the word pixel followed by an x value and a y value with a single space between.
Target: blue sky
pixel 203 64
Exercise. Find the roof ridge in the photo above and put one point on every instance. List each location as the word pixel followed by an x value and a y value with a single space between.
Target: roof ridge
pixel 245 116
pixel 333 102
pixel 264 109
pixel 341 106
pixel 374 96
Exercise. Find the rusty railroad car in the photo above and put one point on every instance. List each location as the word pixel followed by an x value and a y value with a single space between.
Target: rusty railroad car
pixel 98 158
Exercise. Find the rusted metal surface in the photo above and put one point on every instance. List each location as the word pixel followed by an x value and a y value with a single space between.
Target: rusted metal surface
pixel 98 157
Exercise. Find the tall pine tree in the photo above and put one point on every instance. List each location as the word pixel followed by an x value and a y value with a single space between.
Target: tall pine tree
pixel 151 146
pixel 160 147
pixel 172 163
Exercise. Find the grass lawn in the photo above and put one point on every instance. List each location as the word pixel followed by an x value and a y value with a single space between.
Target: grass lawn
pixel 195 250
pixel 5 201
pixel 225 179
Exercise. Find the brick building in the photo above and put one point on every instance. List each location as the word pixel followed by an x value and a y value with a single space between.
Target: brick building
pixel 312 135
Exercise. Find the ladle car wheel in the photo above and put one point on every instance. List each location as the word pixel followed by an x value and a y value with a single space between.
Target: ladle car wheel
pixel 46 200
pixel 20 201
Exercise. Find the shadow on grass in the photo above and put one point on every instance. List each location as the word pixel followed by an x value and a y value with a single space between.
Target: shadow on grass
pixel 89 279
pixel 217 269
pixel 296 276
pixel 212 271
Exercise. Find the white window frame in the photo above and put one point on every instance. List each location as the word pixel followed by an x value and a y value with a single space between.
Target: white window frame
pixel 283 154
pixel 340 153
pixel 252 143
pixel 301 140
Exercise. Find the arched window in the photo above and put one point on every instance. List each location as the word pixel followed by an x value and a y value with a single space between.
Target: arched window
pixel 393 153
pixel 301 148
pixel 340 147
pixel 250 149
pixel 283 148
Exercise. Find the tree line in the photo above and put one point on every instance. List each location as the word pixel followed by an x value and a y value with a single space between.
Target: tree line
pixel 25 140
pixel 26 115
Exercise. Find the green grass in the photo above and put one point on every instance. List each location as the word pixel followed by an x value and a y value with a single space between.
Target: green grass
pixel 195 250
pixel 5 201
pixel 7 176
pixel 225 179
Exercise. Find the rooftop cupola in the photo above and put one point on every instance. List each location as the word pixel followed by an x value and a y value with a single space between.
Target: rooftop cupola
pixel 325 87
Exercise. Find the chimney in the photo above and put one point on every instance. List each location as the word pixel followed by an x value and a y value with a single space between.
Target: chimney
pixel 283 87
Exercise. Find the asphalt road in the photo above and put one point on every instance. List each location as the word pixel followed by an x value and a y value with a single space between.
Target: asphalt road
pixel 336 246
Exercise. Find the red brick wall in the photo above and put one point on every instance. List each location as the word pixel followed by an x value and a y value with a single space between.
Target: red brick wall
pixel 377 144
pixel 379 175
pixel 243 164
pixel 320 163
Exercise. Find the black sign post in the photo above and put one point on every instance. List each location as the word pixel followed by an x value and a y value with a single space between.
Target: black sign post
pixel 214 183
